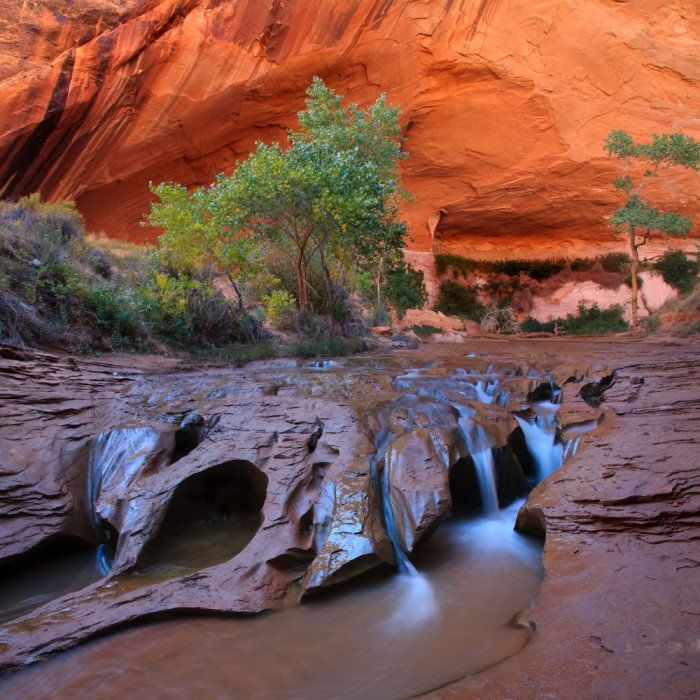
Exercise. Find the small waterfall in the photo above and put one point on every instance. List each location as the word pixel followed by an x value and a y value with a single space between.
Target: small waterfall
pixel 486 474
pixel 570 447
pixel 475 440
pixel 116 459
pixel 541 438
pixel 402 561
pixel 486 391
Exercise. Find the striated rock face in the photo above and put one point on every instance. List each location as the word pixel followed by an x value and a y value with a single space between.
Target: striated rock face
pixel 236 491
pixel 622 524
pixel 505 104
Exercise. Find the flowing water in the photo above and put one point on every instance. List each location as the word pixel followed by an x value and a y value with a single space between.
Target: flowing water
pixel 541 437
pixel 448 612
pixel 388 636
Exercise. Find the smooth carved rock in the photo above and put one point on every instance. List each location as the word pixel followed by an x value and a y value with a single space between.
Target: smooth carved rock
pixel 292 445
pixel 505 145
pixel 419 485
pixel 305 435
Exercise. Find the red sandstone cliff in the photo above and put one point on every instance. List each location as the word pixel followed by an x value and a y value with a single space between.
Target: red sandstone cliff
pixel 505 104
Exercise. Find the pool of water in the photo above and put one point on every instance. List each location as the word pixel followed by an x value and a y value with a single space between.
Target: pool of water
pixel 55 572
pixel 387 636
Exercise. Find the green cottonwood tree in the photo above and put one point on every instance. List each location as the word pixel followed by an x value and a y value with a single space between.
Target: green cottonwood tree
pixel 332 195
pixel 636 217
pixel 196 232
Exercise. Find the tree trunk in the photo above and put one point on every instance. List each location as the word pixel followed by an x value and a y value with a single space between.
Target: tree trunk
pixel 239 296
pixel 634 271
pixel 379 275
pixel 301 285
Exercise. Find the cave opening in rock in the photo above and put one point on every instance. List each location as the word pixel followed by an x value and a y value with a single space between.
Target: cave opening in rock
pixel 211 517
pixel 57 566
pixel 474 493
pixel 464 488
pixel 186 439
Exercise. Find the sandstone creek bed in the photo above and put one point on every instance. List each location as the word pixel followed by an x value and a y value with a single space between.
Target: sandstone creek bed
pixel 340 473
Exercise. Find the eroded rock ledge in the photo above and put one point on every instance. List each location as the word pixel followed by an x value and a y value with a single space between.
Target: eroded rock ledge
pixel 617 613
pixel 302 444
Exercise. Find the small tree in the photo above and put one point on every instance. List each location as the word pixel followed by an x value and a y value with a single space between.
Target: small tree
pixel 637 217
pixel 333 195
pixel 196 233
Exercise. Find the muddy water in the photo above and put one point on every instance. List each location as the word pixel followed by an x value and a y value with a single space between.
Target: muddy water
pixel 389 636
pixel 25 588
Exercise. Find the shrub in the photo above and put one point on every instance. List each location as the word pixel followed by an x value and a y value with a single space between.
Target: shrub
pixel 280 309
pixel 582 264
pixel 455 299
pixel 587 321
pixel 405 288
pixel 532 325
pixel 116 316
pixel 652 323
pixel 678 271
pixel 499 320
pixel 425 331
pixel 187 312
pixel 538 270
pixel 594 321
pixel 614 262
pixel 458 264
pixel 381 317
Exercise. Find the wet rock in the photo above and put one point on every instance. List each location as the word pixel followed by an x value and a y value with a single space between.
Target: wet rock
pixel 419 487
pixel 314 435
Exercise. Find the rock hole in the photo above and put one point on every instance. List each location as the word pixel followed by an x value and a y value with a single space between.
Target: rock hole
pixel 518 446
pixel 186 439
pixel 293 559
pixel 593 393
pixel 315 436
pixel 306 522
pixel 58 566
pixel 547 391
pixel 464 487
pixel 318 474
pixel 211 517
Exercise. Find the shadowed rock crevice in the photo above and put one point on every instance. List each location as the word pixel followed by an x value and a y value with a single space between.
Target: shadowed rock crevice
pixel 57 566
pixel 353 466
pixel 211 517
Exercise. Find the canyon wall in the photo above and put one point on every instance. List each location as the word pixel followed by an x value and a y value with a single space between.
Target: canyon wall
pixel 505 105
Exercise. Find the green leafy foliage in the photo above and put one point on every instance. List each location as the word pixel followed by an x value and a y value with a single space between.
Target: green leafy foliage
pixel 594 321
pixel 425 331
pixel 56 288
pixel 636 217
pixel 587 321
pixel 532 325
pixel 331 196
pixel 637 214
pixel 661 150
pixel 535 269
pixel 405 288
pixel 455 299
pixel 196 232
pixel 280 309
pixel 678 270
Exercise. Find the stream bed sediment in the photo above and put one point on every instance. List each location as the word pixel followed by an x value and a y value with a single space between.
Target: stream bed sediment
pixel 396 475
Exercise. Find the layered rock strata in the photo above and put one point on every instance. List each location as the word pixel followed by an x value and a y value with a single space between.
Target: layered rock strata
pixel 504 105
